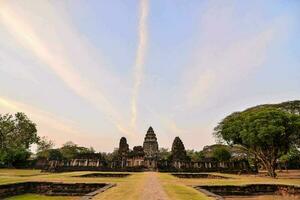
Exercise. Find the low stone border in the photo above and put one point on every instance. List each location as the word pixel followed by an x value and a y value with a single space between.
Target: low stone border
pixel 92 194
pixel 51 188
pixel 104 175
pixel 217 191
pixel 198 175
pixel 210 194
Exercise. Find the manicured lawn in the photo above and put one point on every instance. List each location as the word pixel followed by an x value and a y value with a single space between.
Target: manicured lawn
pixel 129 188
pixel 177 189
pixel 40 197
pixel 20 172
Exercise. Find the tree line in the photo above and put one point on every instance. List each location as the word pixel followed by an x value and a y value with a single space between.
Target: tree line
pixel 269 134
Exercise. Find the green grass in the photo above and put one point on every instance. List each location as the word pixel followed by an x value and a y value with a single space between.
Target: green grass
pixel 20 172
pixel 129 188
pixel 176 189
pixel 182 192
pixel 39 197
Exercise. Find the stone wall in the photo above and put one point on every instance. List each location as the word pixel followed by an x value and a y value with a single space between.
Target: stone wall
pixel 253 189
pixel 209 166
pixel 79 168
pixel 49 188
pixel 102 175
pixel 197 175
pixel 165 166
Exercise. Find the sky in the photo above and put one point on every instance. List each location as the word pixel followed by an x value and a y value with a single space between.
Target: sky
pixel 94 71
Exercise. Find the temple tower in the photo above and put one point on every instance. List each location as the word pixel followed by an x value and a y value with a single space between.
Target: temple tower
pixel 151 149
pixel 123 152
pixel 179 156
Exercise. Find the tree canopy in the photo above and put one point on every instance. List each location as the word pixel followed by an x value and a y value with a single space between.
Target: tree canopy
pixel 221 154
pixel 195 156
pixel 267 132
pixel 17 133
pixel 70 150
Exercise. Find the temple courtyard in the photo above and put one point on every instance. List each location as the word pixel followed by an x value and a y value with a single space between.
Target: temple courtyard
pixel 143 185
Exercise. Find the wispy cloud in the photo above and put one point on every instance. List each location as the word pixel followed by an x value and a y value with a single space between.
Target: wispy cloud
pixel 226 54
pixel 49 50
pixel 140 58
pixel 56 128
pixel 169 125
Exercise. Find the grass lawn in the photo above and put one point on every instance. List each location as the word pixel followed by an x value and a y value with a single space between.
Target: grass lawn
pixel 20 172
pixel 39 197
pixel 129 188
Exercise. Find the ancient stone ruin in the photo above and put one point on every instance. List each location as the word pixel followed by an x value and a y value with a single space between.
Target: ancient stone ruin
pixel 198 175
pixel 53 189
pixel 151 149
pixel 179 158
pixel 220 192
pixel 105 175
pixel 146 158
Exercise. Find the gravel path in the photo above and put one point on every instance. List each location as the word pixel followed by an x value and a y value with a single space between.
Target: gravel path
pixel 153 189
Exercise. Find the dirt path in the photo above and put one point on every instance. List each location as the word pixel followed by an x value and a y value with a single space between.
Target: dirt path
pixel 152 189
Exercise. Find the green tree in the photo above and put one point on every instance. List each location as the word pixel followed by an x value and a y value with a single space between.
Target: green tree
pixel 265 132
pixel 43 147
pixel 221 154
pixel 164 154
pixel 70 150
pixel 54 154
pixel 291 158
pixel 195 156
pixel 17 133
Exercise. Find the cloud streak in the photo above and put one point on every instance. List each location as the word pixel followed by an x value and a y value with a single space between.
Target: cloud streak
pixel 226 55
pixel 48 124
pixel 54 56
pixel 140 58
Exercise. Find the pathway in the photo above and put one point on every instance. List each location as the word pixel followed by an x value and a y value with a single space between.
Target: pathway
pixel 152 189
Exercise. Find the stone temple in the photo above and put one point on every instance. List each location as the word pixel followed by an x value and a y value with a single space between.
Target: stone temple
pixel 145 156
pixel 151 149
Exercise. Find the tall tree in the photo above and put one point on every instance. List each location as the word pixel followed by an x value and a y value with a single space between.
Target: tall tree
pixel 43 147
pixel 70 150
pixel 17 133
pixel 196 156
pixel 221 154
pixel 164 154
pixel 265 132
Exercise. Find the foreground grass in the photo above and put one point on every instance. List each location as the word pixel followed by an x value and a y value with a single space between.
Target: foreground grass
pixel 38 197
pixel 178 190
pixel 20 172
pixel 129 188
pixel 240 180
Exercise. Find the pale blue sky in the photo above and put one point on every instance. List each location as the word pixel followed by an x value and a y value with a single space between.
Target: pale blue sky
pixel 93 71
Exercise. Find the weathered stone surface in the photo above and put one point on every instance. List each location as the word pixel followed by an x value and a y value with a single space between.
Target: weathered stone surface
pixel 92 194
pixel 150 146
pixel 137 151
pixel 145 158
pixel 49 188
pixel 110 175
pixel 178 150
pixel 252 189
pixel 123 147
pixel 198 175
pixel 123 152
